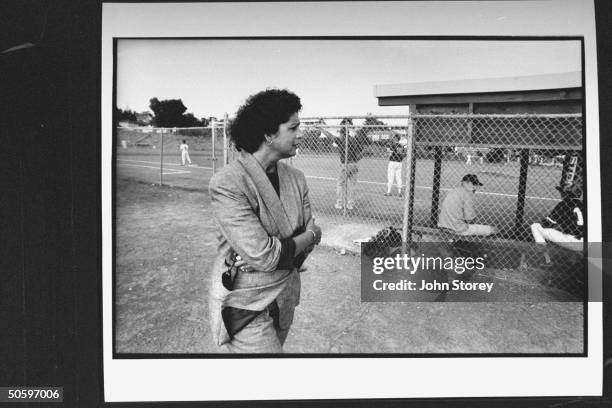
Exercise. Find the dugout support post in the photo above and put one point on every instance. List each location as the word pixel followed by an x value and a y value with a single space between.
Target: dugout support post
pixel 407 219
pixel 522 189
pixel 435 192
pixel 411 193
pixel 345 186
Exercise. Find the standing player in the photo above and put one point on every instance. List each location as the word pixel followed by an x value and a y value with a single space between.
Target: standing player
pixel 480 157
pixel 184 153
pixel 468 160
pixel 347 178
pixel 394 169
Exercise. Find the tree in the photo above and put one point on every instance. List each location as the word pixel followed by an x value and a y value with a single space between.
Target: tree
pixel 125 115
pixel 171 113
pixel 168 113
pixel 189 120
pixel 372 121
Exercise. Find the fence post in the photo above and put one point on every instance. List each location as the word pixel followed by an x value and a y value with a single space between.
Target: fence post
pixel 346 181
pixel 409 191
pixel 212 139
pixel 225 145
pixel 522 188
pixel 161 158
pixel 435 192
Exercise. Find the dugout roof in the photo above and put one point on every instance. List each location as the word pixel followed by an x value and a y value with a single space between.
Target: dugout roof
pixel 558 93
pixel 557 88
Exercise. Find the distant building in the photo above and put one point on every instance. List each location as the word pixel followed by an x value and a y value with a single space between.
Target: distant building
pixel 377 136
pixel 311 122
pixel 126 124
pixel 144 118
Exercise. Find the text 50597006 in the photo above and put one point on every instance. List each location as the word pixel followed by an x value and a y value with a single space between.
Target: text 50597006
pixel 31 394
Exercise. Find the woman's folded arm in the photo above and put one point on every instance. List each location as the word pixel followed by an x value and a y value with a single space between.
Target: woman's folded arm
pixel 242 228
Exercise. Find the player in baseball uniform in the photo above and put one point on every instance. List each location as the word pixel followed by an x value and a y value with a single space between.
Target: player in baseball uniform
pixel 564 225
pixel 457 212
pixel 397 153
pixel 184 153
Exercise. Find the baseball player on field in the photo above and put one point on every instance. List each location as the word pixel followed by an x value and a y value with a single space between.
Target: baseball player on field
pixel 184 153
pixel 397 154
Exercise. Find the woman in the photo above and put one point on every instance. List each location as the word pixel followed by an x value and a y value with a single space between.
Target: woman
pixel 265 228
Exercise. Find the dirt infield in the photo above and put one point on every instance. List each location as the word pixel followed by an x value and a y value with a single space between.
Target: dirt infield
pixel 165 242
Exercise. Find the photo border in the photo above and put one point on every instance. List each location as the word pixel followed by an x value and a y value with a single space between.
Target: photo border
pixel 535 391
pixel 121 355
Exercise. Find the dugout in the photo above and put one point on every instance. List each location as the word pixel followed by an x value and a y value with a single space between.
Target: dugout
pixel 479 113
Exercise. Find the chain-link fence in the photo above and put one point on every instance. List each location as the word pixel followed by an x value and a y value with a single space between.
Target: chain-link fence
pixel 520 159
pixel 346 164
pixel 180 157
pixel 398 171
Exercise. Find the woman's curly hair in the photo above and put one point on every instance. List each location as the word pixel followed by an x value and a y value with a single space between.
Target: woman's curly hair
pixel 261 115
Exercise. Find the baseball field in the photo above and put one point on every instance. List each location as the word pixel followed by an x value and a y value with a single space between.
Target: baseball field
pixel 165 243
pixel 496 200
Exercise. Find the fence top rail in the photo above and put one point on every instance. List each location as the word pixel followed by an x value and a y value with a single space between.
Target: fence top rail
pixel 215 124
pixel 167 128
pixel 325 126
pixel 355 117
pixel 452 115
pixel 499 115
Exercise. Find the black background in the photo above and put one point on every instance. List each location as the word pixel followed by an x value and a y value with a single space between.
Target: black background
pixel 50 202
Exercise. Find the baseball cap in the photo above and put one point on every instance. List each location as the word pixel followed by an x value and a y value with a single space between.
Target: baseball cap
pixel 472 179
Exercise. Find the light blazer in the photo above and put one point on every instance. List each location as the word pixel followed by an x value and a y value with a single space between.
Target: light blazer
pixel 251 219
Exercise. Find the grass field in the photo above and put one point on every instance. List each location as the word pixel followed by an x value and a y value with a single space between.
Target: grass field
pixel 165 243
pixel 496 200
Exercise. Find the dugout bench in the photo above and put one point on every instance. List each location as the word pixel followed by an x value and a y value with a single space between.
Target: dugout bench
pixel 566 273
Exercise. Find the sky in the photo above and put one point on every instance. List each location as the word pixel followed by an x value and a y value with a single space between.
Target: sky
pixel 332 77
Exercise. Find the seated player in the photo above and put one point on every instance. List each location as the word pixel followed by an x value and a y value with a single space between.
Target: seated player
pixel 564 225
pixel 457 211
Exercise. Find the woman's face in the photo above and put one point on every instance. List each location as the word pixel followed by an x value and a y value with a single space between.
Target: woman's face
pixel 287 139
